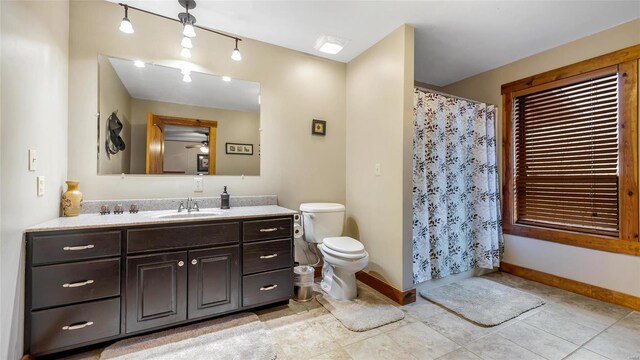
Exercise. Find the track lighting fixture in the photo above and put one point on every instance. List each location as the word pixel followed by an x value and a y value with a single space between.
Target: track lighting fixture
pixel 188 22
pixel 125 24
pixel 235 55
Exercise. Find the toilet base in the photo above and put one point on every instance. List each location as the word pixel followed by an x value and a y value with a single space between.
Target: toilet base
pixel 338 284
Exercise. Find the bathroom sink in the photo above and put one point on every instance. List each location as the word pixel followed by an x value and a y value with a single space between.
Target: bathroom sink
pixel 193 214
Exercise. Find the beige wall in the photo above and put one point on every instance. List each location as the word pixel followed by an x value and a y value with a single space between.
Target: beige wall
pixel 295 88
pixel 608 270
pixel 34 72
pixel 378 116
pixel 113 96
pixel 177 157
pixel 233 126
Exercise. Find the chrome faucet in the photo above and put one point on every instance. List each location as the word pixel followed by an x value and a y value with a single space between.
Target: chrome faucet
pixel 192 205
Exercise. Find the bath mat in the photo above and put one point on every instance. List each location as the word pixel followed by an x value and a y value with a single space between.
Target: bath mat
pixel 368 311
pixel 483 301
pixel 239 336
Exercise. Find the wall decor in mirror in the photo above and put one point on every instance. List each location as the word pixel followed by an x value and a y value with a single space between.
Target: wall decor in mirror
pixel 174 121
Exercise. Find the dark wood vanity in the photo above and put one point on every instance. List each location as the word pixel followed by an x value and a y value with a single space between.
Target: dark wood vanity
pixel 85 287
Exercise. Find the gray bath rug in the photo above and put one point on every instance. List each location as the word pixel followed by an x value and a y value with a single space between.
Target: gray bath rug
pixel 368 311
pixel 483 301
pixel 239 336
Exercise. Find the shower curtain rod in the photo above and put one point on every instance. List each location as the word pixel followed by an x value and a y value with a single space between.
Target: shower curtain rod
pixel 449 95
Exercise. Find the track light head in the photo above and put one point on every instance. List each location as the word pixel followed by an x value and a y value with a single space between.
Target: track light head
pixel 186 42
pixel 235 55
pixel 125 24
pixel 188 21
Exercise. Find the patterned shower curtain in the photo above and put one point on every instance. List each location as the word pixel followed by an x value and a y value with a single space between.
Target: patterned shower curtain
pixel 456 203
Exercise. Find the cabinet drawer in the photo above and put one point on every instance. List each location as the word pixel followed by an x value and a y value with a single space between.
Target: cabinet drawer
pixel 266 255
pixel 267 287
pixel 62 284
pixel 181 236
pixel 267 229
pixel 75 324
pixel 49 249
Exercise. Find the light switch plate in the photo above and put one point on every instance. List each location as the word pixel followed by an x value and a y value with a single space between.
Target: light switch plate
pixel 198 185
pixel 33 157
pixel 40 185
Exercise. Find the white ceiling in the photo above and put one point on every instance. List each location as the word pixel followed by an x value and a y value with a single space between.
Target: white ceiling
pixel 454 39
pixel 161 83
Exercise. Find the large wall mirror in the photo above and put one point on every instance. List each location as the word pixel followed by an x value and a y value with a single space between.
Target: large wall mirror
pixel 161 120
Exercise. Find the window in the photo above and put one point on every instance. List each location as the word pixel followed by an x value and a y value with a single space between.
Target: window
pixel 570 154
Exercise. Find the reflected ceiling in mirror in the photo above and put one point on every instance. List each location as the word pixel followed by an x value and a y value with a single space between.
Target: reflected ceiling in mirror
pixel 162 120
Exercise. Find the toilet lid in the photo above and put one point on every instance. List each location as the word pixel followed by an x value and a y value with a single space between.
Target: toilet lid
pixel 321 207
pixel 344 245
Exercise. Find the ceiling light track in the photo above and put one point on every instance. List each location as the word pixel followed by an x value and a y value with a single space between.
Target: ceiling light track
pixel 186 19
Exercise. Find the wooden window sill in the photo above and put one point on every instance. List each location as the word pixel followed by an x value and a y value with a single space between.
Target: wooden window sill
pixel 596 242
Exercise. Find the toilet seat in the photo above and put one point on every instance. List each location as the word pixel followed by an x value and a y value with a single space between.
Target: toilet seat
pixel 343 247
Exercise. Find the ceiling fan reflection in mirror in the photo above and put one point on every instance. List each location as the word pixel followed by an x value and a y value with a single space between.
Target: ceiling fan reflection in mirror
pixel 204 147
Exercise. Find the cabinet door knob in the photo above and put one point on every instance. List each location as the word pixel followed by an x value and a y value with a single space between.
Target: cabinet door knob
pixel 267 288
pixel 194 261
pixel 180 263
pixel 268 256
pixel 77 326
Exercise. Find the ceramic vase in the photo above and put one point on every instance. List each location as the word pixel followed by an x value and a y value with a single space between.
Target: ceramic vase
pixel 71 199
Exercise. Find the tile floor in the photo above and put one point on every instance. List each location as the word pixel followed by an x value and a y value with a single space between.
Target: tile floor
pixel 568 326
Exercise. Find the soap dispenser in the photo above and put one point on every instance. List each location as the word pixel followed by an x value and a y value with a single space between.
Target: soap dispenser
pixel 224 199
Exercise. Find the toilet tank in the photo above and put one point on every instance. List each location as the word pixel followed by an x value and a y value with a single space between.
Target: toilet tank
pixel 322 220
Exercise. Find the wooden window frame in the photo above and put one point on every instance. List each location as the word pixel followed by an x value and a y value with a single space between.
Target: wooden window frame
pixel 626 62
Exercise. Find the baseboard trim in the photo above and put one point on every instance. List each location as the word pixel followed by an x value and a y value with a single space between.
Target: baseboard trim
pixel 592 291
pixel 399 296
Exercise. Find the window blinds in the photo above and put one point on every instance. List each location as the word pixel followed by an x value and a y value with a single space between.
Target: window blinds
pixel 566 156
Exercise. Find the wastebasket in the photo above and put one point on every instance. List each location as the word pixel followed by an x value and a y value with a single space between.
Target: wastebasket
pixel 303 283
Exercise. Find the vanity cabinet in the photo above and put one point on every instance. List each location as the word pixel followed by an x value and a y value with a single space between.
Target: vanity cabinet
pixel 85 287
pixel 214 281
pixel 156 290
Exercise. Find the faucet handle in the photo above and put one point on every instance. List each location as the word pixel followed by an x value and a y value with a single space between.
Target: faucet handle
pixel 195 205
pixel 181 206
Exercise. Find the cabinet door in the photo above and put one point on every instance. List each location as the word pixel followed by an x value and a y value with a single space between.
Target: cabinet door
pixel 214 281
pixel 156 290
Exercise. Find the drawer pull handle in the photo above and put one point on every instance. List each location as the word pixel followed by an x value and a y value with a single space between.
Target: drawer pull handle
pixel 267 288
pixel 77 284
pixel 269 230
pixel 77 326
pixel 76 248
pixel 268 256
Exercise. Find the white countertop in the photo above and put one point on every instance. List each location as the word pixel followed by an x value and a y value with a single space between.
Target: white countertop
pixel 96 221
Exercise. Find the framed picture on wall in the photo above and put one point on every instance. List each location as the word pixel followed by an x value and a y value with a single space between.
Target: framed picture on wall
pixel 203 163
pixel 318 127
pixel 239 149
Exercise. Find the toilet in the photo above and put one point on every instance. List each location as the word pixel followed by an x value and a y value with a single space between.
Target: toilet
pixel 342 256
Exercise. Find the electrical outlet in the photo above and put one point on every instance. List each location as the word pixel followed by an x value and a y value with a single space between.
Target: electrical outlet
pixel 33 157
pixel 198 185
pixel 40 180
pixel 378 169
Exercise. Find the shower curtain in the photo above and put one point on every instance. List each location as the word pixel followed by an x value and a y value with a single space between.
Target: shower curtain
pixel 456 203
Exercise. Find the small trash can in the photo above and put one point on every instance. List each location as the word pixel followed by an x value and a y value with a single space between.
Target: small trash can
pixel 303 283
